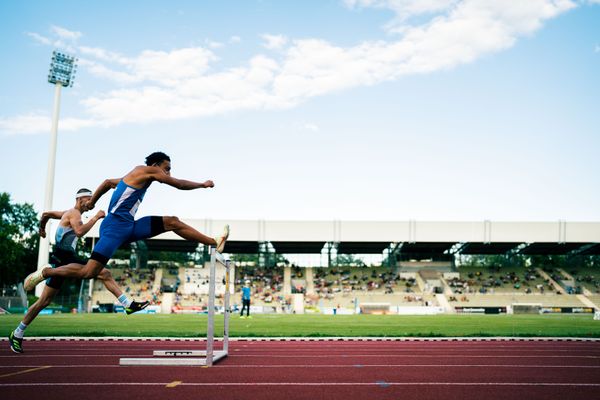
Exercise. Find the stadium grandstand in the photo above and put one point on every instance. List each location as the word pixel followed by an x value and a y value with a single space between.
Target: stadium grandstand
pixel 350 267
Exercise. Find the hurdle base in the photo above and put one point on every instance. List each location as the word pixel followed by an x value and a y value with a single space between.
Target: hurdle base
pixel 177 360
pixel 180 353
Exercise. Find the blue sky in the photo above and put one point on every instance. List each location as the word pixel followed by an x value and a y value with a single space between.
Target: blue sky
pixel 338 109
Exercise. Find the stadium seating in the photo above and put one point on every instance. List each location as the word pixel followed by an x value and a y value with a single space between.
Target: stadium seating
pixel 347 288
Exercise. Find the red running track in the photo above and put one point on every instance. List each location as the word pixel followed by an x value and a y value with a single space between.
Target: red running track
pixel 308 370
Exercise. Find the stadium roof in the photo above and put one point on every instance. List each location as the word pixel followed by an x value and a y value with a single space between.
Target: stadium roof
pixel 362 247
pixel 488 248
pixel 551 248
pixel 293 247
pixel 410 237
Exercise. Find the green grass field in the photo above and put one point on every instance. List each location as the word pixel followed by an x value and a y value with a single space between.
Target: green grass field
pixel 309 325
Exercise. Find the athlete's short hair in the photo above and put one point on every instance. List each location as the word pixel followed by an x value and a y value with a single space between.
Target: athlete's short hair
pixel 156 158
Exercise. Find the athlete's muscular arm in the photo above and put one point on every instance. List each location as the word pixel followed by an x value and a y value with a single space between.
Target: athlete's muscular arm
pixel 48 215
pixel 103 188
pixel 158 174
pixel 182 184
pixel 79 227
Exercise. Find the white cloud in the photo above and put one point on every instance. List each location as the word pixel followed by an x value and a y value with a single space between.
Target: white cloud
pixel 64 33
pixel 103 54
pixel 167 68
pixel 214 44
pixel 273 42
pixel 235 39
pixel 237 88
pixel 311 127
pixel 100 70
pixel 37 121
pixel 39 38
pixel 185 83
pixel 33 122
pixel 404 8
pixel 60 38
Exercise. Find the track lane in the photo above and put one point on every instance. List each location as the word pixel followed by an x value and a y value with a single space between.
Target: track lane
pixel 327 370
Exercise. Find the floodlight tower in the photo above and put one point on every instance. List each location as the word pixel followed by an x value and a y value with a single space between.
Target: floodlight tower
pixel 62 73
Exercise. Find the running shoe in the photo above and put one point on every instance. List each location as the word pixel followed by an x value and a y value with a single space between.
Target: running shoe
pixel 16 344
pixel 222 239
pixel 34 278
pixel 136 306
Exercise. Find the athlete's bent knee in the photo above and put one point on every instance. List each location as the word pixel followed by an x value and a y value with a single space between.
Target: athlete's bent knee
pixel 89 274
pixel 104 275
pixel 171 223
pixel 91 271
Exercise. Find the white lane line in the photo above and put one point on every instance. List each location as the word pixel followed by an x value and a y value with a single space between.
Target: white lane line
pixel 434 345
pixel 483 339
pixel 336 366
pixel 221 384
pixel 335 352
pixel 323 356
pixel 399 348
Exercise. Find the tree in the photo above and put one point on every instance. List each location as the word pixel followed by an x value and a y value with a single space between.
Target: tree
pixel 348 260
pixel 19 239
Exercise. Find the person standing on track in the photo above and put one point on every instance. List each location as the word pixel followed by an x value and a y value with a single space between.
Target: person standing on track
pixel 246 300
pixel 120 227
pixel 69 229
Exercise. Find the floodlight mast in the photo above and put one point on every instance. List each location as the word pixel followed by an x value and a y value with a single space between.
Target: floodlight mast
pixel 62 73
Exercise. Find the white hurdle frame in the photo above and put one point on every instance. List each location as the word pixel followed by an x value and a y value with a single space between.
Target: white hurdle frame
pixel 198 357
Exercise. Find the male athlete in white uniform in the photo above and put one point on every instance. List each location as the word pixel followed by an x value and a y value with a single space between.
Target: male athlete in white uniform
pixel 120 227
pixel 69 229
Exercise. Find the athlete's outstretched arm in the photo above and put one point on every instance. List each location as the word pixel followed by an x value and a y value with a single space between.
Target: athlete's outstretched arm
pixel 46 216
pixel 103 188
pixel 158 175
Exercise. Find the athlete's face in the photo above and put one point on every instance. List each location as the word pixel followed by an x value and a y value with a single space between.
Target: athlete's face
pixel 82 203
pixel 165 166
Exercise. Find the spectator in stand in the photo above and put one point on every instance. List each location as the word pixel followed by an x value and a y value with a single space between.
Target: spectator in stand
pixel 246 300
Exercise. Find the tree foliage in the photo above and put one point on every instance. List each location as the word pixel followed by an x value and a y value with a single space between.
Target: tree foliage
pixel 348 260
pixel 19 240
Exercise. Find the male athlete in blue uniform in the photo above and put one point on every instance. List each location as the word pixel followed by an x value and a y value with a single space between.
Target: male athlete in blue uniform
pixel 120 227
pixel 69 229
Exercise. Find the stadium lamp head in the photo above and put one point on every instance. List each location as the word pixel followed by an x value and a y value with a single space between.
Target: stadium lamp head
pixel 62 69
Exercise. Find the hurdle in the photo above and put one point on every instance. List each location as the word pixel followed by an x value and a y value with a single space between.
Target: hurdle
pixel 197 357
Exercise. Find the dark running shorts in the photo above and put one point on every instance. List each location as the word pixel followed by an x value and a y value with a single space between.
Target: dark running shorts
pixel 60 257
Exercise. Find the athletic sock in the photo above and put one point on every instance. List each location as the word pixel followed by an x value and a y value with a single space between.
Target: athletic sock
pixel 20 331
pixel 124 300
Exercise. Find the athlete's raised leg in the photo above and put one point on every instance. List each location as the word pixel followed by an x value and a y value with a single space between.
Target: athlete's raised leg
pixel 187 232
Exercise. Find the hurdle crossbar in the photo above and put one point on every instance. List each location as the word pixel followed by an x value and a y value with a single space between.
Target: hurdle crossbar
pixel 198 357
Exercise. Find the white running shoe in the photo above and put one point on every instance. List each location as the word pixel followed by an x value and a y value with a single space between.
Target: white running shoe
pixel 34 278
pixel 222 239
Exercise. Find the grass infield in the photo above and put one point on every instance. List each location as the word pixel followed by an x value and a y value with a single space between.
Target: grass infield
pixel 172 325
